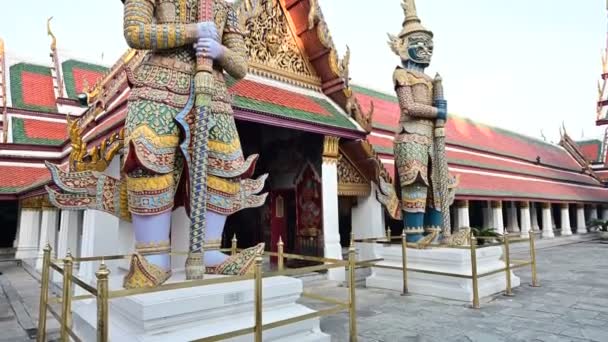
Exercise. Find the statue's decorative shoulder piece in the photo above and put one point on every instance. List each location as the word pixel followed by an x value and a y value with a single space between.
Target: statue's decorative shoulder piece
pixel 421 169
pixel 161 130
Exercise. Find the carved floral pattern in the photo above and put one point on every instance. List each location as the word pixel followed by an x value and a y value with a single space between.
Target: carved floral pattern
pixel 270 41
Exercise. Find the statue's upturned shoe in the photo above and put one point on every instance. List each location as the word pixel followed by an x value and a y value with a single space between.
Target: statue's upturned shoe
pixel 239 264
pixel 143 274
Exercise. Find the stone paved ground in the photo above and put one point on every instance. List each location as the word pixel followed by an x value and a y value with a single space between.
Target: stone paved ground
pixel 19 298
pixel 571 305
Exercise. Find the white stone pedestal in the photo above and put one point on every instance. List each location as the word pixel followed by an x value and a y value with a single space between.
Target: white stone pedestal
pixel 442 260
pixel 194 313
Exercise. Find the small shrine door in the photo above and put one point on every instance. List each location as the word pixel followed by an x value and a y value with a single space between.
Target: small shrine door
pixel 280 219
pixel 309 212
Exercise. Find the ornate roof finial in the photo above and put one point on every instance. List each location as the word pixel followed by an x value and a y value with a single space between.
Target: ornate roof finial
pixel 411 23
pixel 1 46
pixel 50 33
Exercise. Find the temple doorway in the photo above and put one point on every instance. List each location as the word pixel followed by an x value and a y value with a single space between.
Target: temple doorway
pixel 284 154
pixel 8 222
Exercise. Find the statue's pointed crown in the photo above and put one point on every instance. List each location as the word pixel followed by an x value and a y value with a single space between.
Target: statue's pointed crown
pixel 411 23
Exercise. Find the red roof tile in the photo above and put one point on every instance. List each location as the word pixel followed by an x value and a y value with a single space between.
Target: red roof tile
pixel 475 184
pixel 591 149
pixel 82 75
pixel 39 132
pixel 46 129
pixel 15 178
pixel 265 93
pixel 467 133
pixel 37 89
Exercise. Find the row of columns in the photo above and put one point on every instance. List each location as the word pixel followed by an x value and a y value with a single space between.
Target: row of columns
pixel 39 226
pixel 493 217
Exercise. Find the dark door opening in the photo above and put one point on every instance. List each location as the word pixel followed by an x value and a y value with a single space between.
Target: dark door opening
pixel 8 221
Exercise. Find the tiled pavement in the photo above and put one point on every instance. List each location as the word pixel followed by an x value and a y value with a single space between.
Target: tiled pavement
pixel 571 305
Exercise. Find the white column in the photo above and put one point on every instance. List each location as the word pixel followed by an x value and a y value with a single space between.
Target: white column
pixel 547 221
pixel 593 212
pixel 512 224
pixel 497 220
pixel 604 212
pixel 534 217
pixel 462 219
pixel 581 225
pixel 565 218
pixel 329 179
pixel 367 221
pixel 48 233
pixel 180 237
pixel 68 232
pixel 99 238
pixel 487 214
pixel 29 231
pixel 524 212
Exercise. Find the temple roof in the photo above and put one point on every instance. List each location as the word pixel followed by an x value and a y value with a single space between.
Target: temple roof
pixel 34 131
pixel 591 149
pixel 17 178
pixel 494 162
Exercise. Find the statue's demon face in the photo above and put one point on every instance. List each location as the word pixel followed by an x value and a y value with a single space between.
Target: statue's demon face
pixel 420 48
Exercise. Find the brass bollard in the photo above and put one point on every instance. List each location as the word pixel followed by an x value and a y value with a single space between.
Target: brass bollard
pixel 102 275
pixel 280 251
pixel 352 313
pixel 44 294
pixel 535 282
pixel 508 291
pixel 233 246
pixel 66 300
pixel 404 262
pixel 389 235
pixel 474 272
pixel 258 298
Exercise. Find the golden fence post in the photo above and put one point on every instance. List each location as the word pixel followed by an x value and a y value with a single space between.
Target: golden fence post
pixel 474 272
pixel 44 294
pixel 258 299
pixel 102 275
pixel 404 262
pixel 233 246
pixel 280 250
pixel 66 300
pixel 533 261
pixel 508 291
pixel 352 313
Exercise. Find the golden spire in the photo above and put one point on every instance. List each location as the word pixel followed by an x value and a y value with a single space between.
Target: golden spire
pixel 1 46
pixel 411 23
pixel 50 33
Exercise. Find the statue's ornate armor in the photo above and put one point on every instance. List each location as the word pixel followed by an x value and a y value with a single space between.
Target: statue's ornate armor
pixel 414 145
pixel 160 110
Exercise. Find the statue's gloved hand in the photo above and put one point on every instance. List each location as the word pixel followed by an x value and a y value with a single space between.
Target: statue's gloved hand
pixel 442 109
pixel 207 29
pixel 209 48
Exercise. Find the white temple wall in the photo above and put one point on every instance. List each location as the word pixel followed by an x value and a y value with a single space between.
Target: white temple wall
pixel 29 232
pixel 367 221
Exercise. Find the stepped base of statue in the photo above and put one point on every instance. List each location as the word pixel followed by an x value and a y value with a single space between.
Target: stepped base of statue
pixel 449 260
pixel 199 312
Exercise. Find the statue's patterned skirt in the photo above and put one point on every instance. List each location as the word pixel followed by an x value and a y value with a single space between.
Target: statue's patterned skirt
pixel 155 167
pixel 413 161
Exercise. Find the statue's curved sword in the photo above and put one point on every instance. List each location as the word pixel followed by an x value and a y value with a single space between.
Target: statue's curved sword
pixel 203 85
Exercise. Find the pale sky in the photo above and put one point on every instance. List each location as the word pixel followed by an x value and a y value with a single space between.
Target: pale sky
pixel 524 65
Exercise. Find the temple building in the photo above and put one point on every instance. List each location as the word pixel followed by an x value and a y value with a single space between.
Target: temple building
pixel 325 142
